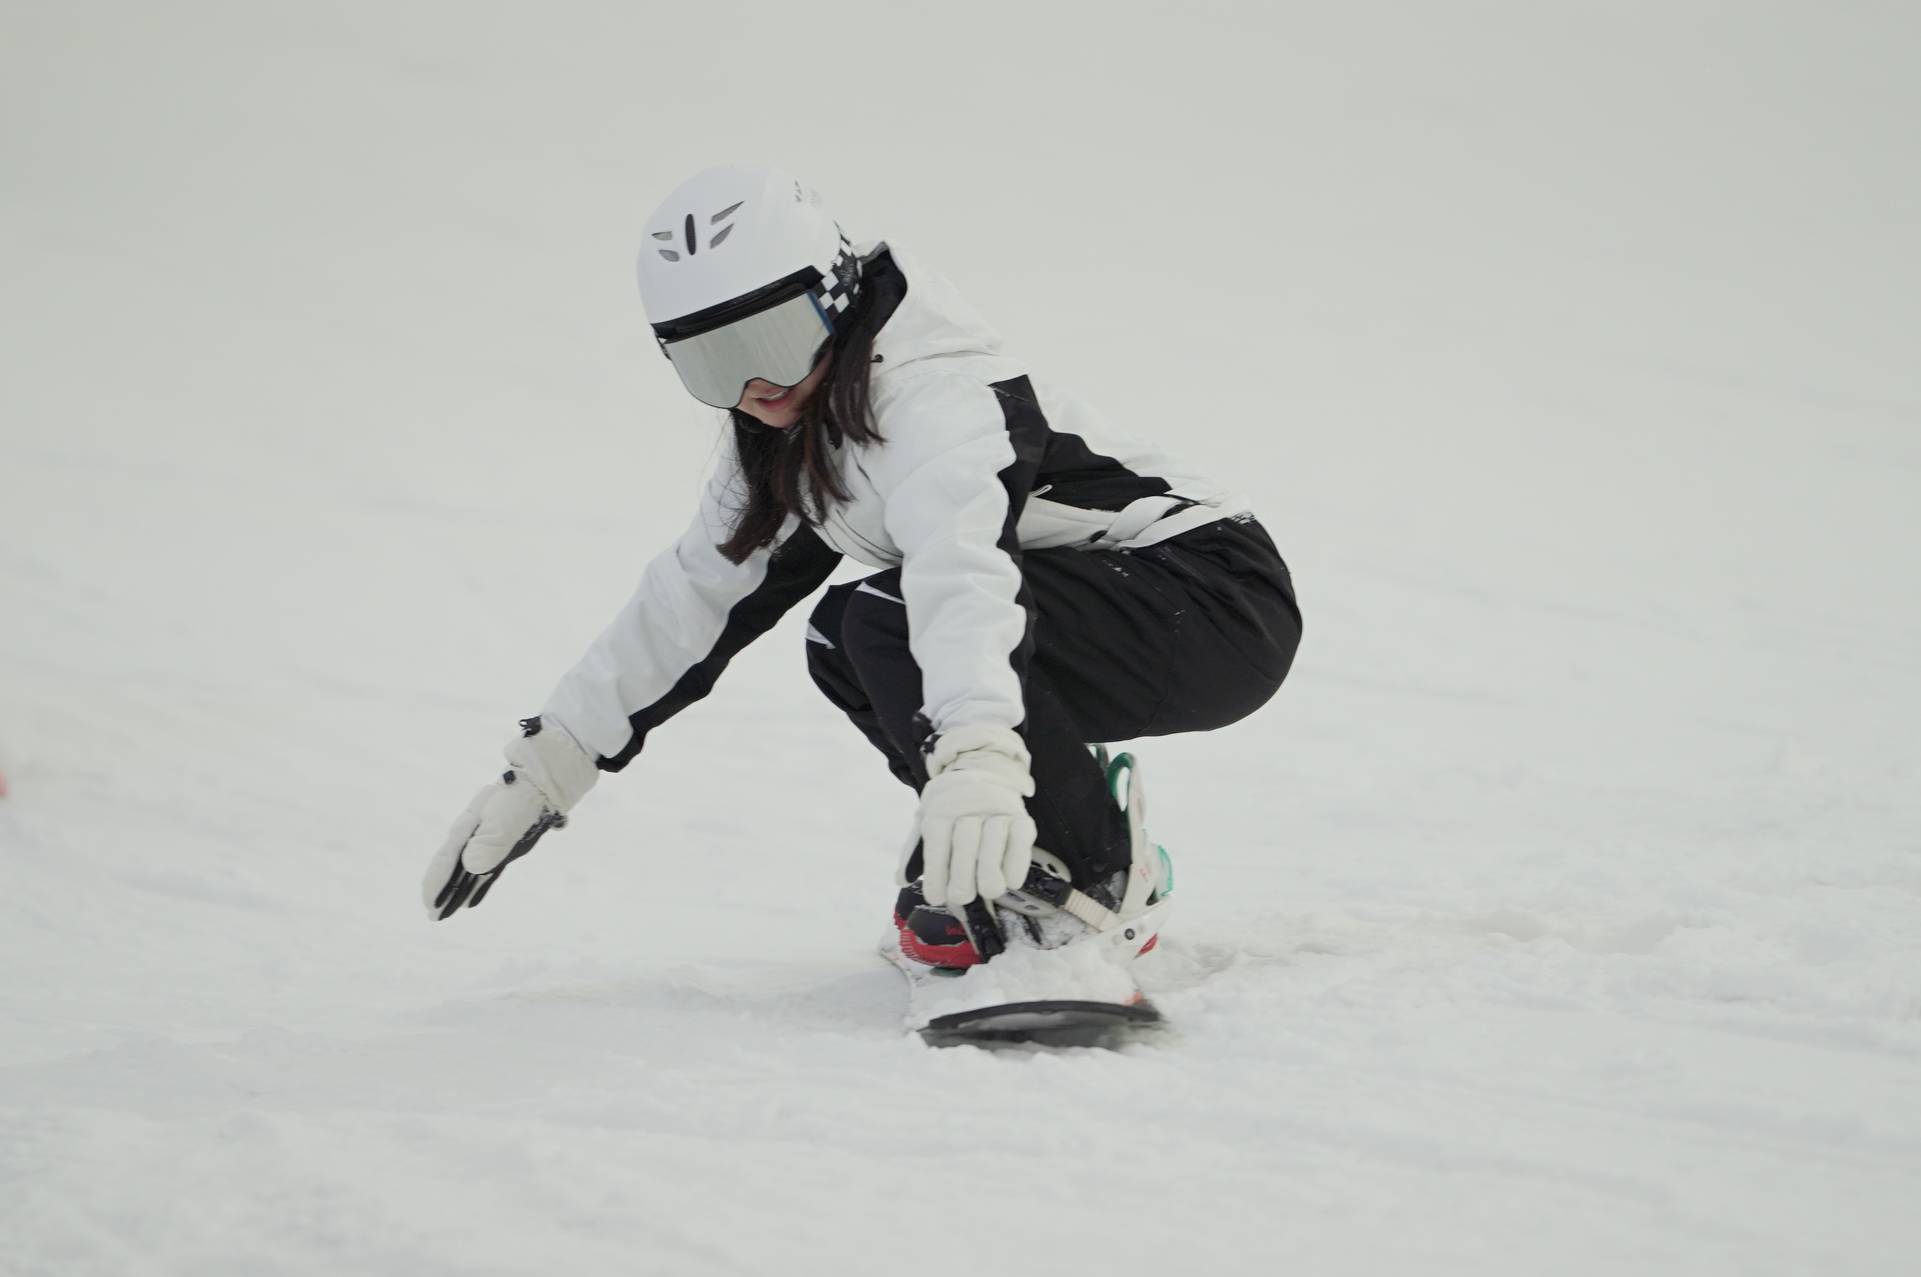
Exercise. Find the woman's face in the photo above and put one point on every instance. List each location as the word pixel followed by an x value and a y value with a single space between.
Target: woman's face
pixel 771 406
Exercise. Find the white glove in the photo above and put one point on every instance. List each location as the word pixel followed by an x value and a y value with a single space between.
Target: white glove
pixel 548 774
pixel 976 835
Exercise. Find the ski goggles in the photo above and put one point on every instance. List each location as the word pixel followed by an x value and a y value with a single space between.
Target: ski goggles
pixel 775 334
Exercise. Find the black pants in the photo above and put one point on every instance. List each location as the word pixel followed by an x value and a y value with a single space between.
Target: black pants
pixel 1184 636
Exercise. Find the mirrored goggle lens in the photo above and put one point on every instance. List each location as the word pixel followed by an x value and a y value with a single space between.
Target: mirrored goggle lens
pixel 777 345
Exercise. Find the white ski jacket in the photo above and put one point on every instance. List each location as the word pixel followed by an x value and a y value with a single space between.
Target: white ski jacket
pixel 976 464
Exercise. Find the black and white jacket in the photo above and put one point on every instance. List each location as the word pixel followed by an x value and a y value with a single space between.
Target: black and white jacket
pixel 978 463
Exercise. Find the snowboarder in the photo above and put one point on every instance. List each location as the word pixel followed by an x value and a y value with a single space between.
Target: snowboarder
pixel 1041 581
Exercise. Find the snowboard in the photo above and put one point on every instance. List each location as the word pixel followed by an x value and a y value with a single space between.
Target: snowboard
pixel 1047 1023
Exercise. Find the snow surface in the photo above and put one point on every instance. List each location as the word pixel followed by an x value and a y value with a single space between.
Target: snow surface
pixel 1562 915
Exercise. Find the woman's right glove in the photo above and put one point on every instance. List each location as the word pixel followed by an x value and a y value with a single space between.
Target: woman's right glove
pixel 547 774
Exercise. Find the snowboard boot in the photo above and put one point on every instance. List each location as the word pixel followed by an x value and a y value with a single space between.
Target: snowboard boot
pixel 1048 910
pixel 930 935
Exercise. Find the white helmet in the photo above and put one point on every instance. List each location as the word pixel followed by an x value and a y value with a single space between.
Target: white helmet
pixel 743 276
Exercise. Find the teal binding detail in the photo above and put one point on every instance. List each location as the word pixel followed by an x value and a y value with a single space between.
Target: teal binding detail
pixel 1120 772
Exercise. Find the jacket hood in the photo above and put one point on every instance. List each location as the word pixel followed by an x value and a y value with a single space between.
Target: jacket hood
pixel 931 319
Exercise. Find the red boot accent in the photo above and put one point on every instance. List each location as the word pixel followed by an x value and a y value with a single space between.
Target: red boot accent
pixel 956 953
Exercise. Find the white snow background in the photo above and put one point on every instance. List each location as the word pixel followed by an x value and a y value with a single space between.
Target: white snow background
pixel 1562 914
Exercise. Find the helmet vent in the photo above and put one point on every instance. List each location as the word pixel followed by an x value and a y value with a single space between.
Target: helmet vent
pixel 690 235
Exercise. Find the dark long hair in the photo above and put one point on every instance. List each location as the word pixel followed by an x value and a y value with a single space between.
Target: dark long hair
pixel 792 471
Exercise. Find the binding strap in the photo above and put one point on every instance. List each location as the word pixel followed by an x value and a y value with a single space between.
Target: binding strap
pixel 1063 895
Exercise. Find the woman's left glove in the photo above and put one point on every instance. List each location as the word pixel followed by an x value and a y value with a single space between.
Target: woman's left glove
pixel 976 835
pixel 547 774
